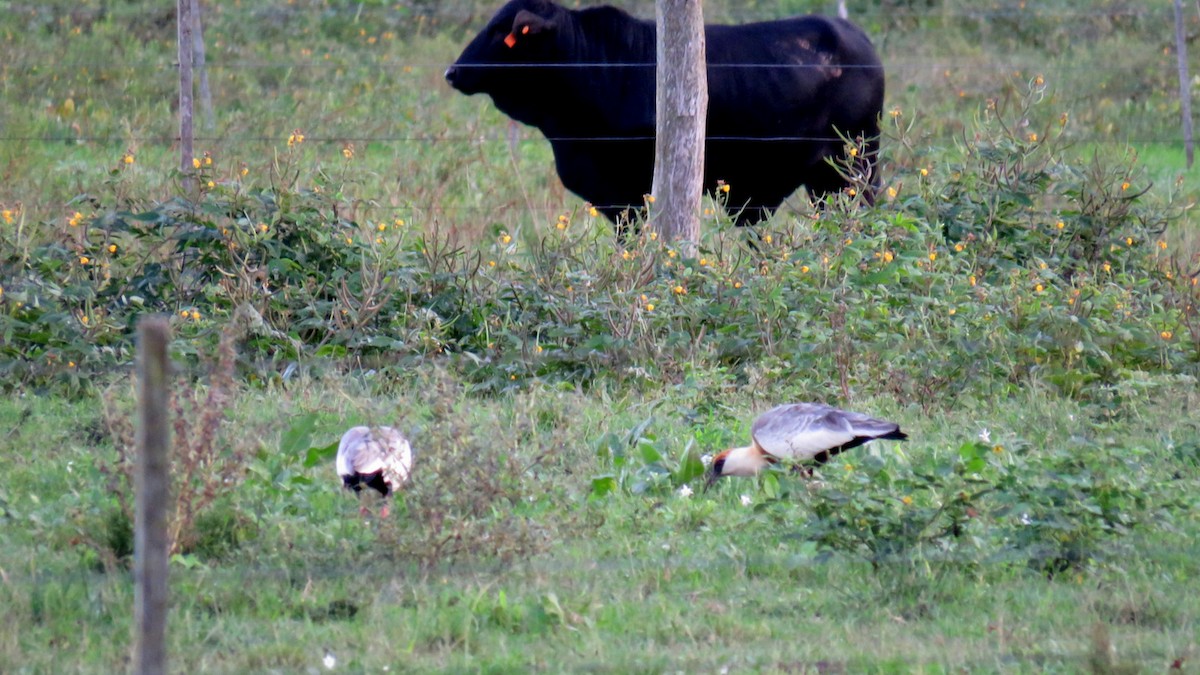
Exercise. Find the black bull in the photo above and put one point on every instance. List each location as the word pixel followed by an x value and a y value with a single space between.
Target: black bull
pixel 782 94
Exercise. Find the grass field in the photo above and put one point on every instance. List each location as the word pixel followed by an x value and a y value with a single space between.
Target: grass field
pixel 1023 304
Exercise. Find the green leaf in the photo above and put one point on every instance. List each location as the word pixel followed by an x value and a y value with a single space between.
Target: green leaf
pixel 298 436
pixel 603 485
pixel 690 466
pixel 320 455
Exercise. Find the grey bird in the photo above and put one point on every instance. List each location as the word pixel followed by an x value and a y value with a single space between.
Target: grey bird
pixel 376 457
pixel 800 432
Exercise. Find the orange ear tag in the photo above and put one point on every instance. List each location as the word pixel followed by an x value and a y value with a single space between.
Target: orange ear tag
pixel 524 30
pixel 510 41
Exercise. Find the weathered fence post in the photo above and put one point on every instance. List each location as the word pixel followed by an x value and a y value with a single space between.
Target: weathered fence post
pixel 200 54
pixel 186 50
pixel 153 485
pixel 681 107
pixel 1185 88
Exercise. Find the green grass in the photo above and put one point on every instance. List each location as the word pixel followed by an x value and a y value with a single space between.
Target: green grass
pixel 555 416
pixel 624 583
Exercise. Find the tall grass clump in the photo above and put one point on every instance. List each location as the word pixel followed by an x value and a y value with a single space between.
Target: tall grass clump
pixel 207 464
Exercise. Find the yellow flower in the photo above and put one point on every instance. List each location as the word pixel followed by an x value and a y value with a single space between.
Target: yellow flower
pixel 1060 225
pixel 592 211
pixel 245 170
pixel 1042 265
pixel 653 236
pixel 1129 241
pixel 348 151
pixel 112 248
pixel 491 263
pixel 767 238
pixel 737 284
pixel 211 185
pixel 649 199
pixel 1038 81
pixel 932 256
pixel 7 214
pixel 849 241
pixel 680 290
pixel 649 306
pixel 848 467
pixel 1125 185
pixel 195 162
pixel 183 313
pixel 895 112
pixel 127 158
pixel 75 219
pixel 1166 335
pixel 891 193
pixel 83 260
pixel 958 247
pixel 83 320
pixel 1032 137
pixel 382 227
pixel 505 238
pixel 888 257
pixel 207 158
pixel 296 138
pixel 907 500
pixel 399 222
pixel 625 255
pixel 852 192
pixel 262 227
pixel 971 280
pixel 1062 119
pixel 671 253
pixel 703 262
pixel 71 364
pixel 924 172
pixel 195 315
pixel 539 349
pixel 1162 244
pixel 953 311
pixel 804 269
pixel 853 152
pixel 1107 267
pixel 997 449
pixel 1039 288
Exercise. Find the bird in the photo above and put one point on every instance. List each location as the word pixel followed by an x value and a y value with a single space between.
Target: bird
pixel 800 432
pixel 377 457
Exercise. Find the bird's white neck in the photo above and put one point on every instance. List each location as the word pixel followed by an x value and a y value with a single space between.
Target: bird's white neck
pixel 746 461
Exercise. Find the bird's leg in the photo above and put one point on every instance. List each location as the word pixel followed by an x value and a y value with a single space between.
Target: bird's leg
pixel 383 513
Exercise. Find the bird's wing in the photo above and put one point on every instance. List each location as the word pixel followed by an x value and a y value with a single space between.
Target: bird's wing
pixel 395 455
pixel 871 427
pixel 801 431
pixel 348 450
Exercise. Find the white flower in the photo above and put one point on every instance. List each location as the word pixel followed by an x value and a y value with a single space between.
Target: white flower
pixel 1025 519
pixel 985 436
pixel 746 501
pixel 685 491
pixel 706 460
pixel 330 660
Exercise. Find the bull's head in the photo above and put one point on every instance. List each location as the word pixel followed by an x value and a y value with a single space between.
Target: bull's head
pixel 522 33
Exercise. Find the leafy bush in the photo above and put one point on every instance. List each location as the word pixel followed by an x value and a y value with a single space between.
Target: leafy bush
pixel 1013 264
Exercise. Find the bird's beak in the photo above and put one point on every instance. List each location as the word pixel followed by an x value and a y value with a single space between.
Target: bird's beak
pixel 712 480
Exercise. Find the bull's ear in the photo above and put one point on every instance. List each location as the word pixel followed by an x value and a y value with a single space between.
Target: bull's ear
pixel 528 23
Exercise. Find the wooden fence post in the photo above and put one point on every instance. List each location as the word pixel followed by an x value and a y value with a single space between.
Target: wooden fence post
pixel 153 485
pixel 1185 84
pixel 186 50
